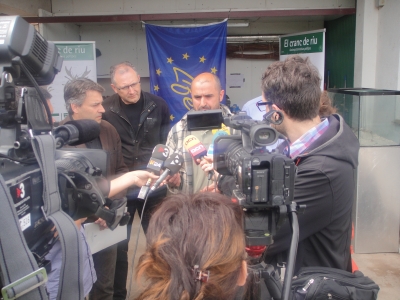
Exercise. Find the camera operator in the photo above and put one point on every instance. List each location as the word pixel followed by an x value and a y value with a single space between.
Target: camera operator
pixel 325 151
pixel 83 99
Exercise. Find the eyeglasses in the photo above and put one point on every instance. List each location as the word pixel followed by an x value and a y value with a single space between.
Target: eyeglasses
pixel 126 88
pixel 261 105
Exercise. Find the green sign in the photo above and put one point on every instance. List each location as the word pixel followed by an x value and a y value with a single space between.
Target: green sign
pixel 76 51
pixel 303 43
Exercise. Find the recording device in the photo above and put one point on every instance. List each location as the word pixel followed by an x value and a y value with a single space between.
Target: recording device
pixel 20 42
pixel 263 184
pixel 202 120
pixel 76 132
pixel 171 166
pixel 27 59
pixel 264 180
pixel 159 155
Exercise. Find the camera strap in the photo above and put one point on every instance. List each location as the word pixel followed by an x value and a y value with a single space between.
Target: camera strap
pixel 71 282
pixel 21 275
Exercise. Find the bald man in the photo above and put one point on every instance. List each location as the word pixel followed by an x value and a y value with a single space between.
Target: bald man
pixel 207 94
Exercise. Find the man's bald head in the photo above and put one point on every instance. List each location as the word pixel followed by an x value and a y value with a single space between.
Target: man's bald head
pixel 206 92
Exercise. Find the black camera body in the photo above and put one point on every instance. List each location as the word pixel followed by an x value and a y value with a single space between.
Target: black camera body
pixel 27 59
pixel 263 178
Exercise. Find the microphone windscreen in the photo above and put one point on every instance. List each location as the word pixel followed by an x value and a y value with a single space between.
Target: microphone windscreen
pixel 160 152
pixel 173 163
pixel 88 130
pixel 210 150
pixel 194 147
pixel 159 155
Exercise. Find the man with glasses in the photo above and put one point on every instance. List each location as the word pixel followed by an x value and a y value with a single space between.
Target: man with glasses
pixel 253 110
pixel 325 151
pixel 142 121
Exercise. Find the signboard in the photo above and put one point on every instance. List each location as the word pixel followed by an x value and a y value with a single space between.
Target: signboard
pixel 311 44
pixel 79 61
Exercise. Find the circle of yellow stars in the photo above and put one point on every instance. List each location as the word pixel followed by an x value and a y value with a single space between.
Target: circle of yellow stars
pixel 185 56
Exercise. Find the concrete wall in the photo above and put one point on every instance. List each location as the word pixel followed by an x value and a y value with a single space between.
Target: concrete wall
pixel 377 55
pixel 126 41
pixel 377 64
pixel 24 7
pixel 73 7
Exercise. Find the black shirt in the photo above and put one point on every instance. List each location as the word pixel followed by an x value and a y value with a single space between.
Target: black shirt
pixel 133 112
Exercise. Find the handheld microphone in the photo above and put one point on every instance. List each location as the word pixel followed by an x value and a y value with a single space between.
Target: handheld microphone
pixel 159 155
pixel 171 165
pixel 76 132
pixel 196 150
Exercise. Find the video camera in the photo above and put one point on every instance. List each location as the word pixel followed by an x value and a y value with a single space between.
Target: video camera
pixel 264 179
pixel 27 59
pixel 262 182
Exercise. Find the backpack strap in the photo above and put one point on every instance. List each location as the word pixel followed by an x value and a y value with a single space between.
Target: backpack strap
pixel 20 273
pixel 71 279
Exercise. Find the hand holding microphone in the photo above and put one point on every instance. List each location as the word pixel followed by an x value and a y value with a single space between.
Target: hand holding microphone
pixel 197 150
pixel 206 164
pixel 159 155
pixel 171 165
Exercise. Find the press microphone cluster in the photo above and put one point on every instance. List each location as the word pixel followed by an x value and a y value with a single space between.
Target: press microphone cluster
pixel 171 166
pixel 76 132
pixel 159 155
pixel 196 150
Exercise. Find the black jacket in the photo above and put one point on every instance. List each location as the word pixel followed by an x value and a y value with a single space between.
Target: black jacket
pixel 325 182
pixel 153 128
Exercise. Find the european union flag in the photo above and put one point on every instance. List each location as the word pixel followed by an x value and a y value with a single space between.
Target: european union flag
pixel 177 55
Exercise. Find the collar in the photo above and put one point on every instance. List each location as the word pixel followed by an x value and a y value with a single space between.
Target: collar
pixel 303 142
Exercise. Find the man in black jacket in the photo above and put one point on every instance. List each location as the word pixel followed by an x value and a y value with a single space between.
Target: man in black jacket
pixel 142 121
pixel 325 151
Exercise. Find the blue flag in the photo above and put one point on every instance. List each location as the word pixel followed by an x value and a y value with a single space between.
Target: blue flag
pixel 177 55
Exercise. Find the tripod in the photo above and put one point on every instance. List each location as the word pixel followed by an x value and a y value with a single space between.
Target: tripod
pixel 274 289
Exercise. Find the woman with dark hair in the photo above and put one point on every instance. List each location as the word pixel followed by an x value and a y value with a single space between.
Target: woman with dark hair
pixel 195 249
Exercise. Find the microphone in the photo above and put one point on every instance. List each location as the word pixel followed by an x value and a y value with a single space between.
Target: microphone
pixel 196 150
pixel 210 151
pixel 171 165
pixel 159 155
pixel 76 132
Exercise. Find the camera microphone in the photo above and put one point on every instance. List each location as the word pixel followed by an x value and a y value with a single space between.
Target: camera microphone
pixel 76 132
pixel 210 151
pixel 196 149
pixel 159 155
pixel 171 165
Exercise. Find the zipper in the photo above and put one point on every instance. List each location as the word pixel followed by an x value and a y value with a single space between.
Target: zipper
pixel 310 282
pixel 130 126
